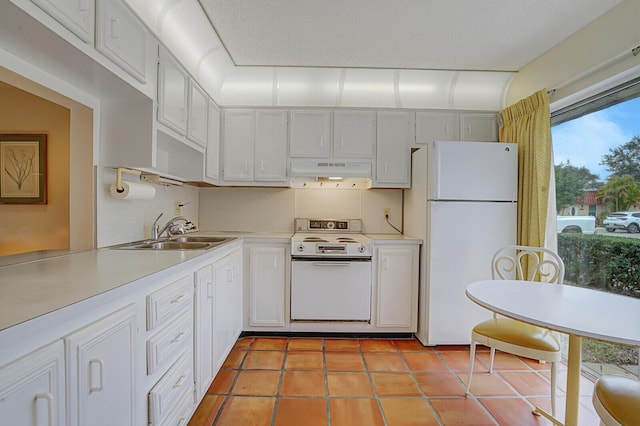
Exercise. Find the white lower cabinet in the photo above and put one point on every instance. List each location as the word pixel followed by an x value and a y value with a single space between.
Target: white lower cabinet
pixel 32 388
pixel 397 287
pixel 227 305
pixel 204 325
pixel 165 399
pixel 101 360
pixel 267 281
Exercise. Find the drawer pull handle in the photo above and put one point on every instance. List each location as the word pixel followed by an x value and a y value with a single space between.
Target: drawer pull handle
pixel 180 381
pixel 48 398
pixel 115 28
pixel 178 337
pixel 177 299
pixel 93 364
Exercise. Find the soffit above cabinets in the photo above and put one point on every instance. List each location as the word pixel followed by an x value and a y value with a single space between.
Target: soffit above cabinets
pixel 453 54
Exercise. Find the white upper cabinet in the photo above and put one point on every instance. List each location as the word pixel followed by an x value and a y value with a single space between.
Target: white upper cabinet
pixel 354 134
pixel 436 126
pixel 172 93
pixel 271 145
pixel 239 135
pixel 212 171
pixel 393 155
pixel 478 127
pixel 121 38
pixel 197 126
pixel 78 16
pixel 310 134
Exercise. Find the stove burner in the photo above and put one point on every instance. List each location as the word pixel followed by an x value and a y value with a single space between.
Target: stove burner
pixel 346 240
pixel 314 240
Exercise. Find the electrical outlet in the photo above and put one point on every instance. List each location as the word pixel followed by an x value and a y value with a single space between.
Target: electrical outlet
pixel 387 212
pixel 177 207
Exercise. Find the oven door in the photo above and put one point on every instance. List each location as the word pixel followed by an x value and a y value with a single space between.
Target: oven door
pixel 330 289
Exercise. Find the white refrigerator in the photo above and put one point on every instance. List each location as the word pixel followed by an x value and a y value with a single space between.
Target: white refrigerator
pixel 462 203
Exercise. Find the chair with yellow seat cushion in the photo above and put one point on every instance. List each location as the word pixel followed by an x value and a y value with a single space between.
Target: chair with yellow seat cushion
pixel 516 337
pixel 617 400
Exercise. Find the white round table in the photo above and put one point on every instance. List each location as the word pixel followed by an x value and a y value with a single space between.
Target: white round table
pixel 576 311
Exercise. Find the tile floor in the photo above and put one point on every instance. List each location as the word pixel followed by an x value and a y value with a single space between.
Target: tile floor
pixel 284 381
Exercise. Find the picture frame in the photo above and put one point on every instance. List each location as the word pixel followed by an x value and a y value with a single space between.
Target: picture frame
pixel 23 168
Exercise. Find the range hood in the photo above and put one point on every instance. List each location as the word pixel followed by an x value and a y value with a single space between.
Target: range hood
pixel 328 174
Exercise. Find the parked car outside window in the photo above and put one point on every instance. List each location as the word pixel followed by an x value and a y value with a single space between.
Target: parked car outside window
pixel 629 221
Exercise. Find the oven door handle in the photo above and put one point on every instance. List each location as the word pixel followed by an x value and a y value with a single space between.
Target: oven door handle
pixel 330 263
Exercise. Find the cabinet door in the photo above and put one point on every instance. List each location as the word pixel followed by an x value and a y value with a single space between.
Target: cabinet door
pixel 78 16
pixel 478 127
pixel 227 305
pixel 310 134
pixel 197 126
pixel 204 330
pixel 101 370
pixel 436 126
pixel 393 155
pixel 354 134
pixel 397 287
pixel 213 142
pixel 32 388
pixel 172 93
pixel 271 146
pixel 239 136
pixel 266 284
pixel 121 38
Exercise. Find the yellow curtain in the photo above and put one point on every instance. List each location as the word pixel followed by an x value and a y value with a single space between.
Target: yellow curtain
pixel 528 123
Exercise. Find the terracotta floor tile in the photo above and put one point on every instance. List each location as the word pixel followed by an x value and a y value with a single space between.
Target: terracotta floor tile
pixel 234 359
pixel 458 361
pixel 355 412
pixel 269 344
pixel 424 361
pixel 378 345
pixel 297 344
pixel 304 361
pixel 395 384
pixel 463 348
pixel 408 412
pixel 256 382
pixel 410 345
pixel 460 411
pixel 527 383
pixel 503 361
pixel 435 383
pixel 247 411
pixel 512 411
pixel 264 360
pixel 487 384
pixel 349 384
pixel 301 411
pixel 243 343
pixel 341 345
pixel 207 411
pixel 344 361
pixel 302 383
pixel 223 381
pixel 384 361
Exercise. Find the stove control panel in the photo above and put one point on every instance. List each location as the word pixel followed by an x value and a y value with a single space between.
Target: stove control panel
pixel 328 225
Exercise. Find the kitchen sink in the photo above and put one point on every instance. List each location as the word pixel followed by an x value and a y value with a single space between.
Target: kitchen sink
pixel 177 243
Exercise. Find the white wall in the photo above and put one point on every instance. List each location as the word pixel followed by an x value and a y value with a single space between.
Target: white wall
pixel 121 221
pixel 274 209
pixel 598 52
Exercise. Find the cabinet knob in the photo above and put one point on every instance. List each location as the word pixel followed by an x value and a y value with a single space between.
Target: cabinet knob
pixel 96 365
pixel 115 28
pixel 44 397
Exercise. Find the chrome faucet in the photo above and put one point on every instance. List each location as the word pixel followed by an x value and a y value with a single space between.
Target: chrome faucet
pixel 171 227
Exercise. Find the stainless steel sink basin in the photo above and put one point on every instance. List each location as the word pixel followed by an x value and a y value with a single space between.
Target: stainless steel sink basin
pixel 183 242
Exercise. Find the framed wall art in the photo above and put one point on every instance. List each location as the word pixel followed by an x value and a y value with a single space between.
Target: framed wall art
pixel 23 168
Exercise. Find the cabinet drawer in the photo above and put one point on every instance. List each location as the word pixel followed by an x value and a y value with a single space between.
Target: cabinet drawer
pixel 164 347
pixel 171 391
pixel 164 303
pixel 181 414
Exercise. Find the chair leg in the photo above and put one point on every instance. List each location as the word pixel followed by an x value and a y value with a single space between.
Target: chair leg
pixel 472 359
pixel 554 374
pixel 491 357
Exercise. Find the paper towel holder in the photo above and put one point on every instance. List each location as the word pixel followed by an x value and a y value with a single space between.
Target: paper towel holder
pixel 119 171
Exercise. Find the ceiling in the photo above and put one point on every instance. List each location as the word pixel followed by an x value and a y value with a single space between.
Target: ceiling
pixel 486 35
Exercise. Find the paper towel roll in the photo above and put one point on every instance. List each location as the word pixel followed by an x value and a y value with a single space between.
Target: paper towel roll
pixel 134 191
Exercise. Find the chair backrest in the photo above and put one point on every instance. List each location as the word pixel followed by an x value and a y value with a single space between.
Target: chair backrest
pixel 527 263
